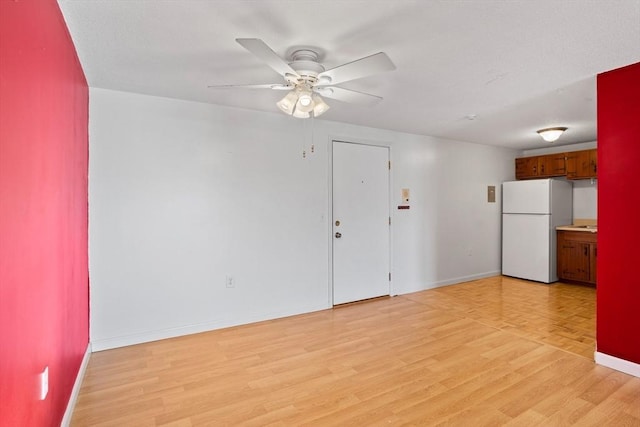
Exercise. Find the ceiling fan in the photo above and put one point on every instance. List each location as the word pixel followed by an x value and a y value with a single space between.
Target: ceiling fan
pixel 307 81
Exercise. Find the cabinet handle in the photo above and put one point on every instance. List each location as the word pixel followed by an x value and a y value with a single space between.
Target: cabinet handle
pixel 586 251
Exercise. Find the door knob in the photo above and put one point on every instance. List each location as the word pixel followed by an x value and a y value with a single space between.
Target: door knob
pixel 338 235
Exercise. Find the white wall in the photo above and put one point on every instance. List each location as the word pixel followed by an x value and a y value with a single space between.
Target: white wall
pixel 560 148
pixel 182 194
pixel 585 199
pixel 585 191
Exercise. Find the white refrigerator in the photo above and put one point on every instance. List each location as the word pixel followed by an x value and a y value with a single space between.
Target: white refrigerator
pixel 531 211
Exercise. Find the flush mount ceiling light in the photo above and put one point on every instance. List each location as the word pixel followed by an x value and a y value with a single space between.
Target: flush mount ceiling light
pixel 551 134
pixel 305 78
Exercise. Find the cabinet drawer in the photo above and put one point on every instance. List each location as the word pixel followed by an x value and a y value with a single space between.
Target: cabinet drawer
pixel 578 236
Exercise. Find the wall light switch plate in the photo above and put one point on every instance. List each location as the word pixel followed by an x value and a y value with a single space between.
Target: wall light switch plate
pixel 491 194
pixel 44 383
pixel 405 195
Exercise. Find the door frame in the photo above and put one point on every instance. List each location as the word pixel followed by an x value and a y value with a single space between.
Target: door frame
pixel 358 141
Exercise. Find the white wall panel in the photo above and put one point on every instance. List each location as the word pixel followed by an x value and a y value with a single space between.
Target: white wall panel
pixel 585 199
pixel 182 194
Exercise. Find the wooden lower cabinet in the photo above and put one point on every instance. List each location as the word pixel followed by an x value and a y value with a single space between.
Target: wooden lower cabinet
pixel 577 254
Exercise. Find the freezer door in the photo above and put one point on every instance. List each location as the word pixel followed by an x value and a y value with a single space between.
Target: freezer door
pixel 527 247
pixel 529 197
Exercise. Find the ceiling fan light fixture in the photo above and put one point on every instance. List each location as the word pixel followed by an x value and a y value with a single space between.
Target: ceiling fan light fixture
pixel 305 100
pixel 288 103
pixel 301 103
pixel 301 114
pixel 320 106
pixel 551 134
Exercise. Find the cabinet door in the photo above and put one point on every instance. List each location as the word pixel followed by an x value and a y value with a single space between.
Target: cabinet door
pixel 521 168
pixel 552 165
pixel 593 161
pixel 582 164
pixel 577 256
pixel 526 167
pixel 573 260
pixel 533 166
pixel 575 161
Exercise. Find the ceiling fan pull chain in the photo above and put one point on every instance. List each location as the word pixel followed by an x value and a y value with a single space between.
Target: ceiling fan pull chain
pixel 304 139
pixel 313 117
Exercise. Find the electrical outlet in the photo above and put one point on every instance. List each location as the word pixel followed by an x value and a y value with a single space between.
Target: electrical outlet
pixel 230 281
pixel 44 383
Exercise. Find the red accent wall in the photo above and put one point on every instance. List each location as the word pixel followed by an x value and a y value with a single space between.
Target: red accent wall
pixel 618 292
pixel 44 308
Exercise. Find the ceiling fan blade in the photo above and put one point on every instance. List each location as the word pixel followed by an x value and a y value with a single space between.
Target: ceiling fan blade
pixel 357 69
pixel 275 86
pixel 348 95
pixel 265 53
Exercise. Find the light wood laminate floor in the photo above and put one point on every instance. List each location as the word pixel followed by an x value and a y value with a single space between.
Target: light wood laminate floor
pixel 497 351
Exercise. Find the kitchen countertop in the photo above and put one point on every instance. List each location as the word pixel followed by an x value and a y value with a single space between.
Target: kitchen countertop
pixel 584 228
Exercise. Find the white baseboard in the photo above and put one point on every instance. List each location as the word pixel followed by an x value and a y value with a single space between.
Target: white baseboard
pixel 407 289
pixel 66 419
pixel 618 364
pixel 463 279
pixel 148 336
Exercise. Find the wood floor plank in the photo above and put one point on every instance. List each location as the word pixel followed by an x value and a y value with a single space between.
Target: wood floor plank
pixel 496 351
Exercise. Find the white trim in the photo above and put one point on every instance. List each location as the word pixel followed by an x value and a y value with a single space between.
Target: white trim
pixel 161 334
pixel 618 364
pixel 71 404
pixel 453 281
pixel 392 286
pixel 330 222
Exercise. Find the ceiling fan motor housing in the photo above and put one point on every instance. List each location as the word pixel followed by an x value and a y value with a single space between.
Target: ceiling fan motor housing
pixel 305 63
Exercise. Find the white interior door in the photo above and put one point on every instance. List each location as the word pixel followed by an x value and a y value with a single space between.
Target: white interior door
pixel 360 222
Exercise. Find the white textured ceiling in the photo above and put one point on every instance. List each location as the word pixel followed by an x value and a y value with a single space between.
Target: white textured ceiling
pixel 518 66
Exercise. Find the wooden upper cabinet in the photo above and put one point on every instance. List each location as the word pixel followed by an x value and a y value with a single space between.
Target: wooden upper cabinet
pixel 573 165
pixel 545 166
pixel 552 165
pixel 527 167
pixel 582 164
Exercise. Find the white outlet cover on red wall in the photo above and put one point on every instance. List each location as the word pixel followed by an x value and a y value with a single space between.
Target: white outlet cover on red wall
pixel 44 383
